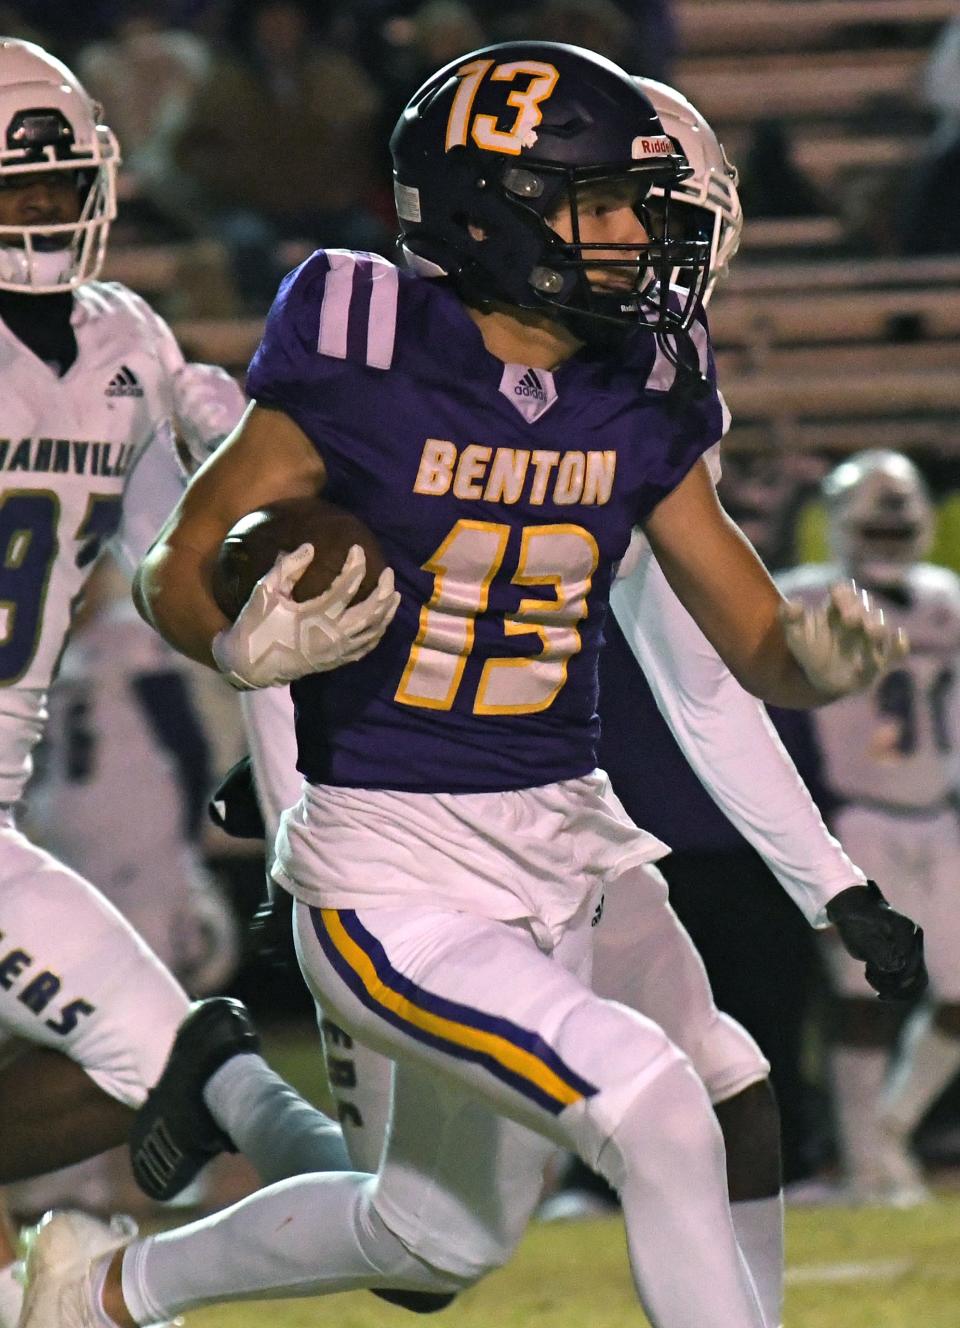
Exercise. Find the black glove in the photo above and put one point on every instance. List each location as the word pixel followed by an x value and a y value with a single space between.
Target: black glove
pixel 889 943
pixel 234 806
pixel 270 933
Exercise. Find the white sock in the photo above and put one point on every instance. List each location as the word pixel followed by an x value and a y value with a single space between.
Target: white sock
pixel 11 1298
pixel 303 1237
pixel 271 1124
pixel 759 1227
pixel 98 1276
pixel 858 1077
pixel 929 1060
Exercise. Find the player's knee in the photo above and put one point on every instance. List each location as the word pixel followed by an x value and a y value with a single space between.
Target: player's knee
pixel 728 1060
pixel 667 1122
pixel 403 1268
pixel 458 1266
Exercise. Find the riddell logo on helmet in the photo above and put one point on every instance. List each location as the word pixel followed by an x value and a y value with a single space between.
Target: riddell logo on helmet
pixel 651 147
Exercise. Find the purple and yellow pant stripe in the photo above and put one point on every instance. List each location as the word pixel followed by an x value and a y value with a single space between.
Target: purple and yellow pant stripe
pixel 514 1055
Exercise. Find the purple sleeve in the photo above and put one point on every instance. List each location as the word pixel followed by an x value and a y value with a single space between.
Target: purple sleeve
pixel 328 338
pixel 688 426
pixel 286 367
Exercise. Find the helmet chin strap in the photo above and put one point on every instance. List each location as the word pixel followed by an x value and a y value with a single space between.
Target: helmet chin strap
pixel 39 268
pixel 423 267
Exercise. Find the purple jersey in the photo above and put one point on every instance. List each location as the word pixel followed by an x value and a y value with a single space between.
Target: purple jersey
pixel 502 496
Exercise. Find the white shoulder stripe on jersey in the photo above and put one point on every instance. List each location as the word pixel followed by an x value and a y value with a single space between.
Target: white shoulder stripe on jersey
pixel 382 329
pixel 335 306
pixel 338 293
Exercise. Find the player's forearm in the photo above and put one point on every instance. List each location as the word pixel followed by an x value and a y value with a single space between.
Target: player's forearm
pixel 171 592
pixel 736 606
pixel 771 673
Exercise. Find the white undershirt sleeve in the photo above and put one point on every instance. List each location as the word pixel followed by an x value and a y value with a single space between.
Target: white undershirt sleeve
pixel 153 489
pixel 728 739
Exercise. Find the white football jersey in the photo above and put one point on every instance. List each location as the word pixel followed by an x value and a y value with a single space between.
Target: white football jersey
pixel 87 805
pixel 896 745
pixel 67 445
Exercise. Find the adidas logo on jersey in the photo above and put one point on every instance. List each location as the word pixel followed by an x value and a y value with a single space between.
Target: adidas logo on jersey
pixel 530 386
pixel 124 383
pixel 530 391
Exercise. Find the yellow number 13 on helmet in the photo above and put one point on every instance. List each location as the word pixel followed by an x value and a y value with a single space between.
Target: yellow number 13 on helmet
pixel 525 101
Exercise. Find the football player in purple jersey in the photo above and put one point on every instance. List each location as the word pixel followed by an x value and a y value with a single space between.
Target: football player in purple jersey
pixel 453 839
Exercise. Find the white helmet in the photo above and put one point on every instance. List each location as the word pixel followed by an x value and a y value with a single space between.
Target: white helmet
pixel 879 514
pixel 49 123
pixel 713 184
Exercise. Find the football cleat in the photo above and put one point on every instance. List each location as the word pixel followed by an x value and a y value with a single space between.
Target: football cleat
pixel 59 1253
pixel 174 1133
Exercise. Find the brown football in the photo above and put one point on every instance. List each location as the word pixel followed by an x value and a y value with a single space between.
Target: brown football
pixel 251 547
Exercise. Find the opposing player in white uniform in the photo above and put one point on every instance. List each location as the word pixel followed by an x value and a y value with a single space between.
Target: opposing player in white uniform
pixel 121 690
pixel 643 956
pixel 889 757
pixel 91 380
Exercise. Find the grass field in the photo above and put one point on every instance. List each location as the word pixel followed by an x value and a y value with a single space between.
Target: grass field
pixel 847 1268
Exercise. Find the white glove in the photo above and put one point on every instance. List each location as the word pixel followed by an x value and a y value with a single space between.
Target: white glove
pixel 843 643
pixel 207 405
pixel 276 640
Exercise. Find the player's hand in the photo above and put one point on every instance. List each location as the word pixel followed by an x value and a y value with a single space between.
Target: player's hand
pixel 843 644
pixel 207 405
pixel 276 640
pixel 890 944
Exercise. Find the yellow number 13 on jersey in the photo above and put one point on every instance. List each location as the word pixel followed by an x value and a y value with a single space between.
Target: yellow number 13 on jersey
pixel 562 556
pixel 525 101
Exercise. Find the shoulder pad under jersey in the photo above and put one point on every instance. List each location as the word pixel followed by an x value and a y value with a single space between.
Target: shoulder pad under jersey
pixel 338 310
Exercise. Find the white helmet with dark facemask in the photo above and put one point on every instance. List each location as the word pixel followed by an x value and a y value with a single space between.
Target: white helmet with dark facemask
pixel 711 188
pixel 48 124
pixel 880 518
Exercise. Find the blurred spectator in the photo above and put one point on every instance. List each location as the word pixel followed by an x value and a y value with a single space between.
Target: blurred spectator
pixel 442 30
pixel 14 24
pixel 656 39
pixel 279 145
pixel 411 48
pixel 930 215
pixel 145 75
pixel 646 32
pixel 771 183
pixel 599 25
pixel 65 25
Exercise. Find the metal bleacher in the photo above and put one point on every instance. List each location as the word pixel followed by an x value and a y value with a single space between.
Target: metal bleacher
pixel 814 345
pixel 737 26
